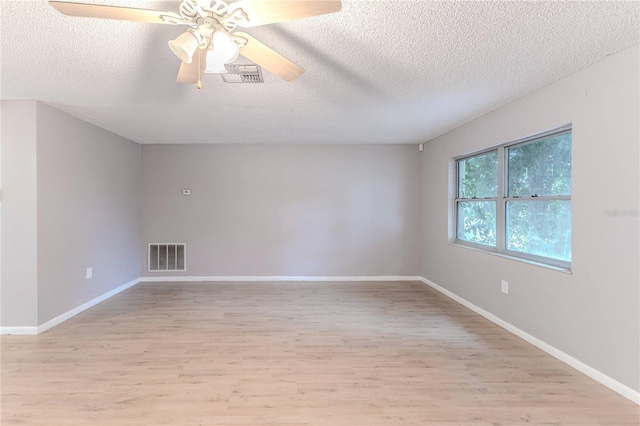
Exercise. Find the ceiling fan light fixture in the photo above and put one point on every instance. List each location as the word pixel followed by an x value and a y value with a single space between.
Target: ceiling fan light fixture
pixel 211 26
pixel 222 50
pixel 185 46
pixel 214 65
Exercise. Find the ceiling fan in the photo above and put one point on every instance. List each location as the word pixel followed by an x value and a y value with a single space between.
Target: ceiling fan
pixel 211 41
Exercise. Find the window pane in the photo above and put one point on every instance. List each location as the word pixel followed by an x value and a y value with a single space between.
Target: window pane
pixel 477 222
pixel 478 176
pixel 540 168
pixel 539 227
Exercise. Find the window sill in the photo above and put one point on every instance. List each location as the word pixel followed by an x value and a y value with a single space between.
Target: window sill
pixel 517 259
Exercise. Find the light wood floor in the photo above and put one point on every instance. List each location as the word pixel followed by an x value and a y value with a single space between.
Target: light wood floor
pixel 291 354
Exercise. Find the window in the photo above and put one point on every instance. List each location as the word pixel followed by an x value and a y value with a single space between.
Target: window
pixel 477 197
pixel 516 199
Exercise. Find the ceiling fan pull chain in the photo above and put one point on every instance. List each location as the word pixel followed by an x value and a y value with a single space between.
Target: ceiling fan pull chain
pixel 209 19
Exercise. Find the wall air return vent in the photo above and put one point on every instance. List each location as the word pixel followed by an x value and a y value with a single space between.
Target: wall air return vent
pixel 239 73
pixel 167 257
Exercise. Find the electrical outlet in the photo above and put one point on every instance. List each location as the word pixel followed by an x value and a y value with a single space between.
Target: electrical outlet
pixel 89 273
pixel 505 287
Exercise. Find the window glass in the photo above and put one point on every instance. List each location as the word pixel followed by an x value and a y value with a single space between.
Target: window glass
pixel 539 227
pixel 516 199
pixel 478 176
pixel 540 168
pixel 477 222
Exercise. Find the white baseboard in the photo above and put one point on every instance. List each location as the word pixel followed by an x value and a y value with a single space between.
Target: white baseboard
pixel 75 311
pixel 596 375
pixel 70 313
pixel 25 331
pixel 301 278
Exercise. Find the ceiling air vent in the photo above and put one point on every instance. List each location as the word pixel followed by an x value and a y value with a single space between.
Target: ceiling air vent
pixel 242 74
pixel 167 257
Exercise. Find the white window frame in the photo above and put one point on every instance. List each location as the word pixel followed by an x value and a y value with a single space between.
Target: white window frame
pixel 503 198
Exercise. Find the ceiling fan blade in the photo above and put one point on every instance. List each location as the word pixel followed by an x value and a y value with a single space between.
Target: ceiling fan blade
pixel 188 73
pixel 268 58
pixel 262 12
pixel 114 12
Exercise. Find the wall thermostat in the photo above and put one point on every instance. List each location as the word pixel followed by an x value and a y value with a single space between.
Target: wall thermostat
pixel 186 192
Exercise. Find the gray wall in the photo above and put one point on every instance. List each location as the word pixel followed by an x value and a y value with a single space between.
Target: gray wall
pixel 293 210
pixel 88 211
pixel 593 313
pixel 329 210
pixel 19 278
pixel 71 200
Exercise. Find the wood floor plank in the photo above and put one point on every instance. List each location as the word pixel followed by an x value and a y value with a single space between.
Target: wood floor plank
pixel 322 354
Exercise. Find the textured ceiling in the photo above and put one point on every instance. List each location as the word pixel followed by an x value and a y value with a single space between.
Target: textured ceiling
pixel 376 72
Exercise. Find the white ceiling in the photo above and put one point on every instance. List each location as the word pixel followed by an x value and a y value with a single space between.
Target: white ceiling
pixel 376 72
